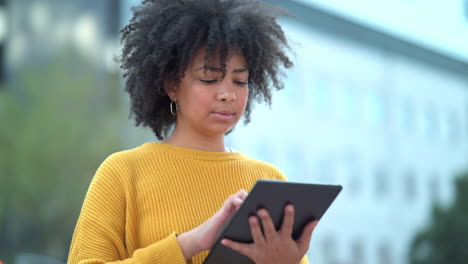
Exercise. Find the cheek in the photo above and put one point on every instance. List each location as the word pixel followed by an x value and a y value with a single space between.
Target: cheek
pixel 196 98
pixel 243 96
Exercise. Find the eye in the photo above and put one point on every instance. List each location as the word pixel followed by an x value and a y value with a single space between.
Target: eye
pixel 209 81
pixel 241 83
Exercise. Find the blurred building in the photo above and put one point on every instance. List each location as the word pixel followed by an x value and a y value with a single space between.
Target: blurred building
pixel 3 35
pixel 37 37
pixel 42 30
pixel 377 102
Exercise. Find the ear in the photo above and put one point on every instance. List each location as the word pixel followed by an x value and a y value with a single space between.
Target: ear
pixel 170 89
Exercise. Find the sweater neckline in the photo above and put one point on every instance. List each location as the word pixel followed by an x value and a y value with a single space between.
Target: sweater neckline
pixel 193 153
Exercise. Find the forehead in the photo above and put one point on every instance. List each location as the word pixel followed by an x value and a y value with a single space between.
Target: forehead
pixel 233 58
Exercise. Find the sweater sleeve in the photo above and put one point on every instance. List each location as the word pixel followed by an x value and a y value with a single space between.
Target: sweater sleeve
pixel 99 235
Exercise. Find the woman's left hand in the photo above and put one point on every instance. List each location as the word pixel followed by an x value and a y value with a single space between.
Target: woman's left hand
pixel 274 247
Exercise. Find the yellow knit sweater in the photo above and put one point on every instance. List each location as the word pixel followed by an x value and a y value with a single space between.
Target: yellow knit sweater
pixel 140 199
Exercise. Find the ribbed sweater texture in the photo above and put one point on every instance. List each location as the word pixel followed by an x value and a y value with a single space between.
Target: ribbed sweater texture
pixel 140 199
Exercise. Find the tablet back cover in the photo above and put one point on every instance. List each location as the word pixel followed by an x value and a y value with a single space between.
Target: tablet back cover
pixel 310 202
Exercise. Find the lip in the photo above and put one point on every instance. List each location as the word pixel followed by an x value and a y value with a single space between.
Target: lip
pixel 224 115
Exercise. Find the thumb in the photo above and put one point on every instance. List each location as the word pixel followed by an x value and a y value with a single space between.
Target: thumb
pixel 234 201
pixel 242 194
pixel 233 204
pixel 229 207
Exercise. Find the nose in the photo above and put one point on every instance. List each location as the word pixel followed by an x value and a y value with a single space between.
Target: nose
pixel 226 91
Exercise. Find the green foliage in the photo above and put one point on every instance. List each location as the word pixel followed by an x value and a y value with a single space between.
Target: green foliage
pixel 58 123
pixel 445 240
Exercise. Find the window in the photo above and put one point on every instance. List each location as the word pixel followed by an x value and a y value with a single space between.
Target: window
pixel 453 129
pixel 384 254
pixel 352 175
pixel 382 185
pixel 407 116
pixel 431 123
pixel 357 252
pixel 410 185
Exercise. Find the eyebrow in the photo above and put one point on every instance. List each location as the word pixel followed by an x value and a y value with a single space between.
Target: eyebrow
pixel 215 69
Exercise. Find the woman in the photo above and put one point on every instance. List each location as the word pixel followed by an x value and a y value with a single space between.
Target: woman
pixel 193 69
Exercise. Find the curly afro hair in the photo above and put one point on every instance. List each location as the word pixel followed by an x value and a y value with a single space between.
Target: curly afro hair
pixel 163 35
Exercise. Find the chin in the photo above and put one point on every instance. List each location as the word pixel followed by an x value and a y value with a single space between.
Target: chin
pixel 220 130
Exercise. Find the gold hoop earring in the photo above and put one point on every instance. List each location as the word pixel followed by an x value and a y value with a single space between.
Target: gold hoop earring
pixel 171 107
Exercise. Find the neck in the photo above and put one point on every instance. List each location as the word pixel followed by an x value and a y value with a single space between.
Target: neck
pixel 196 141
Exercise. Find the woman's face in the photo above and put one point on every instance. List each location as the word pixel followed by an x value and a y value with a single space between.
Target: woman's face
pixel 208 104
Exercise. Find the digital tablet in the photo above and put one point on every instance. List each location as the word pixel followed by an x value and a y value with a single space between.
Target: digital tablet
pixel 310 203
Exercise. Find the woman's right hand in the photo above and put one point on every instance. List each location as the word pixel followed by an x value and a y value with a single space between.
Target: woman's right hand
pixel 203 236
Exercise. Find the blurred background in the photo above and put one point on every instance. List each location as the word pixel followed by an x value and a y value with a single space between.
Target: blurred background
pixel 377 102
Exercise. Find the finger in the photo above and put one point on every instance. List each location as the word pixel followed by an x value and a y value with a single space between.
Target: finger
pixel 244 249
pixel 236 202
pixel 304 240
pixel 231 205
pixel 242 194
pixel 288 221
pixel 268 226
pixel 256 231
